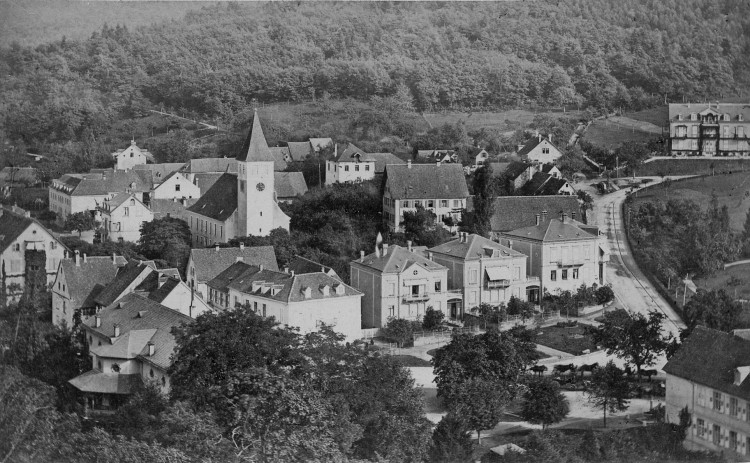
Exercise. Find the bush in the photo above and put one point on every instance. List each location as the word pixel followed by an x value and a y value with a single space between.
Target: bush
pixel 604 294
pixel 567 324
pixel 401 331
pixel 432 319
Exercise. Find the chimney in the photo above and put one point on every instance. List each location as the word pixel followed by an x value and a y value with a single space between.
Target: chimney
pixel 361 256
pixel 242 246
pixel 260 268
pixel 97 321
pixel 385 249
pixel 114 258
pixel 430 255
pixel 217 248
pixel 437 163
pixel 84 257
pixel 544 216
pixel 550 138
pixel 408 163
pixel 286 269
pixel 510 244
pixel 408 245
pixel 117 330
pixel 151 349
pixel 78 258
pixel 184 201
pixel 573 215
pixel 564 217
pixel 537 219
pixel 539 137
pixel 65 251
pixel 292 273
pixel 27 214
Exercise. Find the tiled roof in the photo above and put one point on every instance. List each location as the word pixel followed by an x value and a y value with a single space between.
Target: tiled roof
pixel 513 212
pixel 206 180
pixel 300 265
pixel 159 171
pixel 515 169
pixel 426 181
pixel 551 231
pixel 96 381
pixel 12 224
pixel 287 287
pixel 107 181
pixel 169 207
pixel 396 260
pixel 543 184
pixel 382 160
pixel 289 184
pixel 210 165
pixel 474 247
pixel 86 280
pixel 552 186
pixel 133 148
pixel 299 150
pixel 164 290
pixel 281 157
pixel 530 145
pixel 221 281
pixel 220 201
pixel 350 153
pixel 709 357
pixel 125 277
pixel 255 148
pixel 209 262
pixel 733 109
pixel 135 312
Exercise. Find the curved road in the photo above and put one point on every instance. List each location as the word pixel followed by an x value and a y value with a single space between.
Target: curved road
pixel 630 285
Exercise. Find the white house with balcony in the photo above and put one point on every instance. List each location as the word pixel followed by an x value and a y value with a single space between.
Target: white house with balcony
pixel 398 282
pixel 483 271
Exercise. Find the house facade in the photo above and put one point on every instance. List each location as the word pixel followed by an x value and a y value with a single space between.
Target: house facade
pixel 122 217
pixel 708 375
pixel 28 252
pixel 130 343
pixel 562 253
pixel 439 188
pixel 175 186
pixel 398 282
pixel 352 165
pixel 204 264
pixel 513 212
pixel 540 150
pixel 130 157
pixel 483 271
pixel 303 301
pixel 709 129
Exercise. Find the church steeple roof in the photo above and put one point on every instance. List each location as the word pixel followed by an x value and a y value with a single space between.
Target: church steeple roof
pixel 255 148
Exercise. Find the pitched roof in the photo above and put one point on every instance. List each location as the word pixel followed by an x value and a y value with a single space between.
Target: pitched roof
pixel 396 260
pixel 289 184
pixel 86 280
pixel 13 222
pixel 474 247
pixel 709 357
pixel 350 153
pixel 210 165
pixel 515 169
pixel 513 212
pixel 169 207
pixel 220 201
pixel 133 148
pixel 551 231
pixel 552 186
pixel 205 180
pixel 165 289
pixel 299 150
pixel 426 181
pixel 382 160
pixel 115 383
pixel 126 276
pixel 255 148
pixel 733 109
pixel 209 262
pixel 135 312
pixel 159 172
pixel 280 286
pixel 300 265
pixel 281 157
pixel 530 145
pixel 106 181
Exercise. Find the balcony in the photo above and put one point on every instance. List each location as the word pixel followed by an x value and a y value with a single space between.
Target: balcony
pixel 494 284
pixel 574 262
pixel 407 298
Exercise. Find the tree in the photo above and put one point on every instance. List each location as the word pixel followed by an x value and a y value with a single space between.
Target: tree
pixel 487 312
pixel 587 202
pixel 604 294
pixel 517 306
pixel 451 440
pixel 484 188
pixel 633 336
pixel 400 330
pixel 543 403
pixel 167 239
pixel 421 227
pixel 609 389
pixel 81 221
pixel 481 402
pixel 433 319
pixel 715 309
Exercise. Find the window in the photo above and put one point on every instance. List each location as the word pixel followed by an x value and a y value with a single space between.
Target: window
pixel 564 274
pixel 17 247
pixel 430 203
pixel 242 186
pixel 701 428
pixel 545 150
pixel 443 203
pixel 151 373
pixel 553 275
pixel 52 245
pixel 406 203
pixel 575 273
pixel 456 203
pixel 717 434
pixel 367 167
pixel 391 311
pixel 717 401
pixel 177 187
pixel 255 306
pixel 346 168
pixel 163 381
pixel 126 211
pixel 115 368
pixel 356 167
pixel 99 364
pixel 417 203
pixel 438 286
pixel 391 289
pixel 415 290
pixel 734 409
pixel 473 277
pixel 264 310
pixel 733 442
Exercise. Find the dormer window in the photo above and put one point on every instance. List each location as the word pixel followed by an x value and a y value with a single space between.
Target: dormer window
pixel 739 117
pixel 340 289
pixel 679 117
pixel 740 373
pixel 693 117
pixel 326 290
pixel 307 291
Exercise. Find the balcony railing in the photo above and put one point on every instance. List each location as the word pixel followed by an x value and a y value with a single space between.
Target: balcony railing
pixel 498 284
pixel 416 297
pixel 577 262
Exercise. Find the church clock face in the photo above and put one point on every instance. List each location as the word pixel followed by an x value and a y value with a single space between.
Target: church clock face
pixel 260 186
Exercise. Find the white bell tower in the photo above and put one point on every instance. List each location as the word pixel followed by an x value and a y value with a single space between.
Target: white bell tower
pixel 256 203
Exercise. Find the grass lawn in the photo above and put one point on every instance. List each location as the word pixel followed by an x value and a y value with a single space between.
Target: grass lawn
pixel 611 134
pixel 496 120
pixel 691 166
pixel 657 116
pixel 572 340
pixel 731 190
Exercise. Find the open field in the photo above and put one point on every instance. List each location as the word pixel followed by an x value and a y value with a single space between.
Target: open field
pixel 692 166
pixel 731 190
pixel 734 280
pixel 504 120
pixel 573 339
pixel 612 132
pixel 657 116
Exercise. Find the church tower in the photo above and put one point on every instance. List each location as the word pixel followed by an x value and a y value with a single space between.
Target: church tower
pixel 256 204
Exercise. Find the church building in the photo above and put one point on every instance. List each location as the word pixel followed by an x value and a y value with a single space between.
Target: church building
pixel 240 204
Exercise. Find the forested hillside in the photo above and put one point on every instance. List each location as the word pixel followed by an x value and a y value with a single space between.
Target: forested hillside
pixel 219 60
